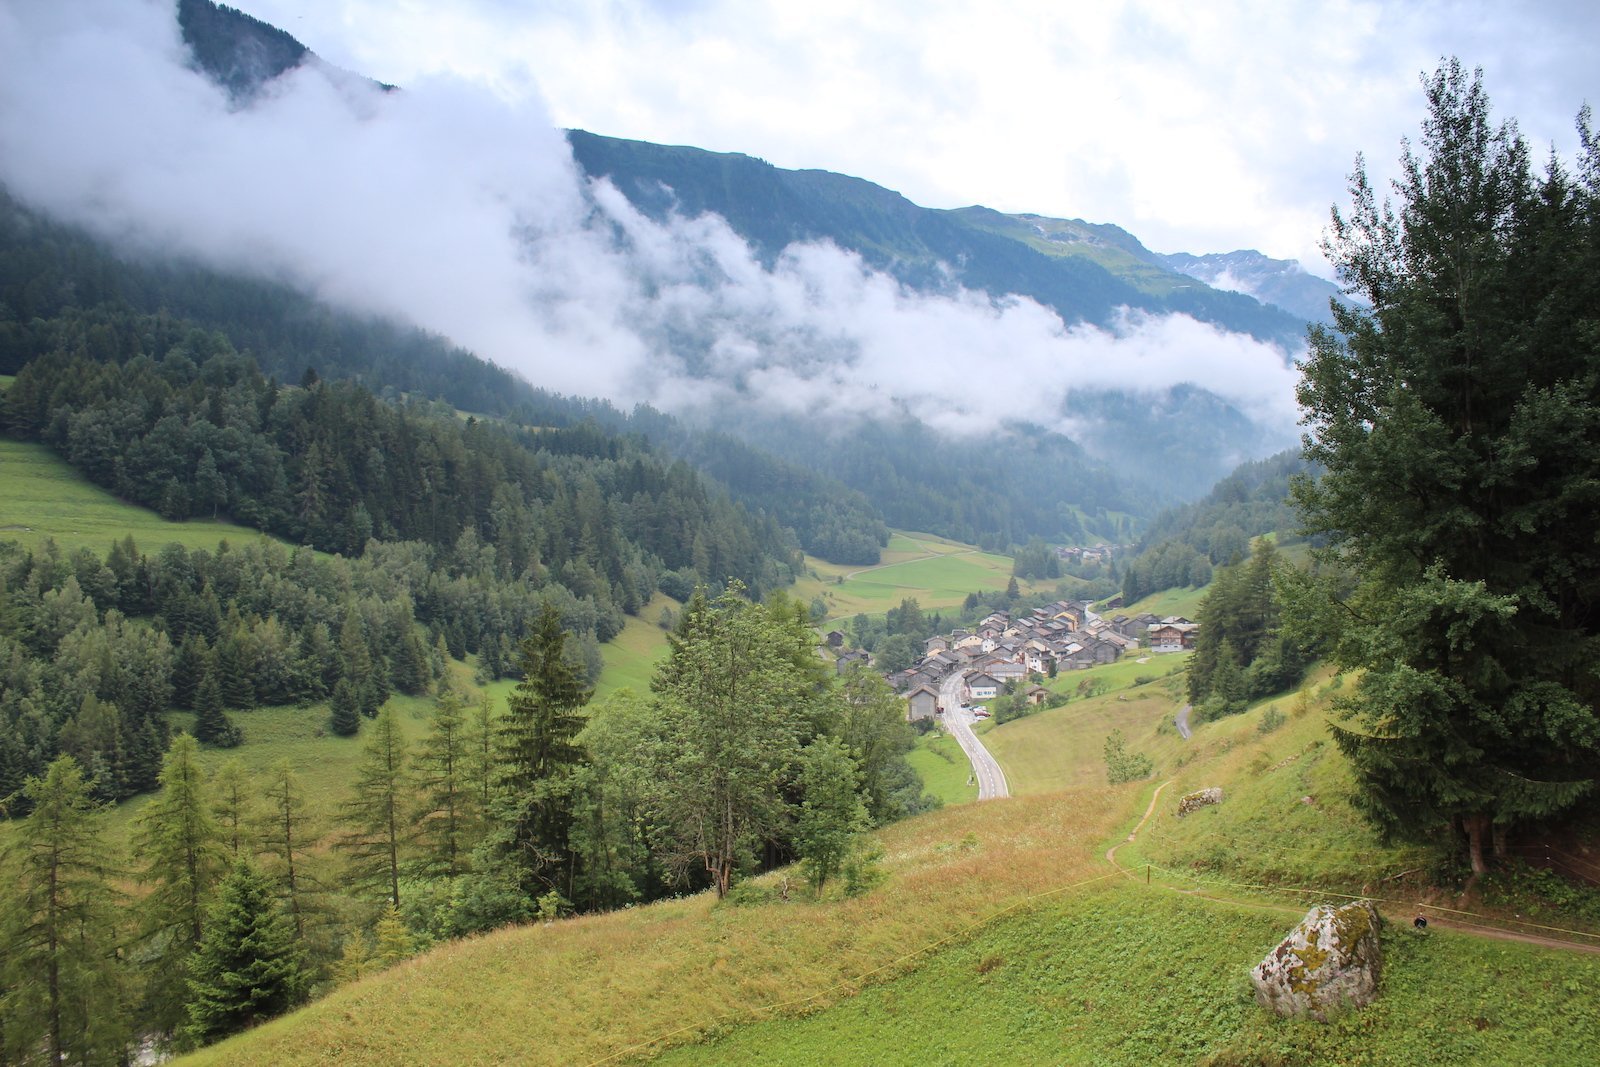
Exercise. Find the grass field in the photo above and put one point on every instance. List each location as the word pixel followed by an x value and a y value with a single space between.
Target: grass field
pixel 593 988
pixel 1129 975
pixel 1001 935
pixel 41 496
pixel 631 656
pixel 944 769
pixel 938 573
pixel 1183 601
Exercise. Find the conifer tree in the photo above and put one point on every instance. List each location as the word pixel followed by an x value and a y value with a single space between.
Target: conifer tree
pixel 233 805
pixel 1454 416
pixel 181 848
pixel 539 756
pixel 64 990
pixel 378 810
pixel 211 723
pixel 289 833
pixel 446 817
pixel 345 709
pixel 392 941
pixel 248 968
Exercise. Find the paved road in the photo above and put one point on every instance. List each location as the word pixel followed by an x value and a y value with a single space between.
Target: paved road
pixel 1183 722
pixel 991 779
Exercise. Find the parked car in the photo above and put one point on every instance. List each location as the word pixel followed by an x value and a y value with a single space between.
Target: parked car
pixel 980 712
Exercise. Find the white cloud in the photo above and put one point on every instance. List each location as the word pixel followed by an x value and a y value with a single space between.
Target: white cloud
pixel 1200 127
pixel 458 208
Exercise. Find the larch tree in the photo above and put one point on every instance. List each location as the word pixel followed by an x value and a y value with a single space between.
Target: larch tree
pixel 288 833
pixel 233 804
pixel 378 811
pixel 447 817
pixel 181 848
pixel 1455 417
pixel 65 992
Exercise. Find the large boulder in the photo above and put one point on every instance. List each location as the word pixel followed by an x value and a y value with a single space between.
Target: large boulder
pixel 1200 798
pixel 1329 962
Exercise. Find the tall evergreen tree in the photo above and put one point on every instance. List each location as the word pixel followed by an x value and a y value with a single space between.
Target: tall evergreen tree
pixel 1455 417
pixel 344 717
pixel 211 723
pixel 182 851
pixel 64 986
pixel 447 815
pixel 248 968
pixel 289 834
pixel 233 804
pixel 538 758
pixel 378 811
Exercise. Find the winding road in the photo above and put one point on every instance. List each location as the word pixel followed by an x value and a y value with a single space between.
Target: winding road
pixel 958 719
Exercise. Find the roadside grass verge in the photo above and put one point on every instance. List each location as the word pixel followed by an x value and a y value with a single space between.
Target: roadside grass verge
pixel 42 497
pixel 944 769
pixel 1062 747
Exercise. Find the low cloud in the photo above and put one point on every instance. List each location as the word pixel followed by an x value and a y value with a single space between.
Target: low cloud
pixel 463 212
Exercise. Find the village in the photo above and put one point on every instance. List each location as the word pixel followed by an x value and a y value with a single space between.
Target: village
pixel 1022 651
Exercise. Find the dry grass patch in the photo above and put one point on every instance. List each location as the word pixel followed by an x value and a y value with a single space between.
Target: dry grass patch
pixel 586 989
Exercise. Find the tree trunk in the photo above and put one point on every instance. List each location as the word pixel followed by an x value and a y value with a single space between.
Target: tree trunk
pixel 1478 828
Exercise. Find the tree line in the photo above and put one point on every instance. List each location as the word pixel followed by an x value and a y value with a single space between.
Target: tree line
pixel 200 432
pixel 97 651
pixel 244 894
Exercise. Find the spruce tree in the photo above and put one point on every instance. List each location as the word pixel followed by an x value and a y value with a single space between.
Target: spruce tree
pixel 248 968
pixel 344 718
pixel 1454 416
pixel 211 723
pixel 539 756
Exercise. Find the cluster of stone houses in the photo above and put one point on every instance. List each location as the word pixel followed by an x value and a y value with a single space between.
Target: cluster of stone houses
pixel 1002 648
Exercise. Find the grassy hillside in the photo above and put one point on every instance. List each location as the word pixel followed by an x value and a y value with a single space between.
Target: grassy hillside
pixel 1061 747
pixel 587 989
pixel 938 572
pixel 1129 975
pixel 1001 934
pixel 41 496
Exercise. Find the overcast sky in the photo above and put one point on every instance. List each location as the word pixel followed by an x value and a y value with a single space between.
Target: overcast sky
pixel 1199 126
pixel 456 205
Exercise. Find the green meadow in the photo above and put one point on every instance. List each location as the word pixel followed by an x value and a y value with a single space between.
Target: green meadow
pixel 42 497
pixel 936 572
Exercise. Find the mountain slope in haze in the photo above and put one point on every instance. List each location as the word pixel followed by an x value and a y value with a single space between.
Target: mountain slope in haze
pixel 1135 434
pixel 924 248
pixel 1281 282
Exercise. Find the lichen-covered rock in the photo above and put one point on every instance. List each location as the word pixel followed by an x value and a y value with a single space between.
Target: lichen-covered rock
pixel 1332 960
pixel 1199 799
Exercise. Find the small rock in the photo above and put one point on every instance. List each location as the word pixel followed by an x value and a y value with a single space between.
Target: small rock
pixel 1332 960
pixel 1199 799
